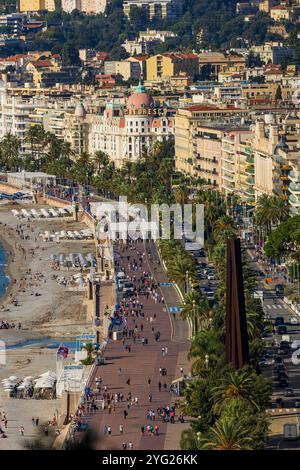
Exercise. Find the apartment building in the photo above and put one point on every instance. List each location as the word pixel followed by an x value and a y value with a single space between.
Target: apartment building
pixel 164 66
pixel 272 52
pixel 237 164
pixel 31 5
pixel 282 13
pixel 14 23
pixel 128 69
pixel 155 8
pixel 90 7
pixel 187 120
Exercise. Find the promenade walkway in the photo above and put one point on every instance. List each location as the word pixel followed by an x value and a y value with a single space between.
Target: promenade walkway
pixel 141 366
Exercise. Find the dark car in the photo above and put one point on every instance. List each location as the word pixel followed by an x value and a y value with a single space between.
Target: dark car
pixel 278 360
pixel 279 289
pixel 284 344
pixel 281 329
pixel 278 367
pixel 279 321
pixel 281 374
pixel 289 392
pixel 283 383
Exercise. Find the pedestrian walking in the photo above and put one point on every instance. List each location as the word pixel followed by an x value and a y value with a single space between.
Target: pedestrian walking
pixel 109 430
pixel 124 446
pixel 150 398
pixel 130 445
pixel 105 430
pixel 159 386
pixel 22 430
pixel 121 428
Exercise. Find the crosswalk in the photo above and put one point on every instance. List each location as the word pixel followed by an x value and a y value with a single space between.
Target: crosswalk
pixel 275 306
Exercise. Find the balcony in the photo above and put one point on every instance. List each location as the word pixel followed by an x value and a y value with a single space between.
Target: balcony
pixel 250 170
pixel 250 180
pixel 250 191
pixel 228 178
pixel 295 187
pixel 250 159
pixel 293 199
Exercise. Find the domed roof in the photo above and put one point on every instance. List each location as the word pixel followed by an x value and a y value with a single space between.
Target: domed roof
pixel 139 100
pixel 79 110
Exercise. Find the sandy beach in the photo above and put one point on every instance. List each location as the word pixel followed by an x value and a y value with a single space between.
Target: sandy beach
pixel 44 308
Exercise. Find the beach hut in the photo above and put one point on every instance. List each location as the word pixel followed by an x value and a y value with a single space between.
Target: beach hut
pixel 53 212
pixel 62 212
pixel 15 213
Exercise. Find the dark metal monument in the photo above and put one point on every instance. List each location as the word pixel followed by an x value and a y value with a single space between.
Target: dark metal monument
pixel 237 347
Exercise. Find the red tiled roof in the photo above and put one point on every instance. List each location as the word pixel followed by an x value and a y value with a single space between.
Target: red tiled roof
pixel 41 63
pixel 181 55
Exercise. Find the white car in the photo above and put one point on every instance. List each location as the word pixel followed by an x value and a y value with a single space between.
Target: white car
pixel 294 320
pixel 210 277
pixel 295 344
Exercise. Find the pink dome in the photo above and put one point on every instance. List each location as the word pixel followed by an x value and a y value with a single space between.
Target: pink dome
pixel 139 100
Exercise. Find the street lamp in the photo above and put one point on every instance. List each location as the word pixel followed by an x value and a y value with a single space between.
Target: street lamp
pixel 187 281
pixel 194 317
pixel 206 361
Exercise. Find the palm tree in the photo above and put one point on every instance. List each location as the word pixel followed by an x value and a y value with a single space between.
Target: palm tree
pixel 224 228
pixel 235 384
pixel 214 207
pixel 206 344
pixel 181 269
pixel 228 434
pixel 9 149
pixel 196 308
pixel 189 440
pixel 100 161
pixel 37 137
pixel 181 194
pixel 270 210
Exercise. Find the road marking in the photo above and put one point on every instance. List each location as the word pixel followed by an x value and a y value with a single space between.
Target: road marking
pixel 269 306
pixel 279 306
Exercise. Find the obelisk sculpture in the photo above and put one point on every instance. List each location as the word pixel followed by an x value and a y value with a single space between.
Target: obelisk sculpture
pixel 237 347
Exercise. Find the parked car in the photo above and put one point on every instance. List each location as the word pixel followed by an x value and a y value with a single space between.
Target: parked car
pixel 281 329
pixel 289 392
pixel 283 383
pixel 279 289
pixel 278 360
pixel 279 321
pixel 295 344
pixel 284 344
pixel 294 320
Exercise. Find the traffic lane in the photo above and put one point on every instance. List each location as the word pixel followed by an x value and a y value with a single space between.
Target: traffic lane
pixel 293 370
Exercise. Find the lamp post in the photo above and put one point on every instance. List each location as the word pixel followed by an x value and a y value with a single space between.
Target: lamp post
pixel 194 317
pixel 187 282
pixel 206 361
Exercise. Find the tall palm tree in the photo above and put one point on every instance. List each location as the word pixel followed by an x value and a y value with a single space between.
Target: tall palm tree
pixel 181 194
pixel 100 161
pixel 224 228
pixel 214 208
pixel 196 307
pixel 181 269
pixel 270 210
pixel 189 440
pixel 206 344
pixel 235 384
pixel 9 151
pixel 228 434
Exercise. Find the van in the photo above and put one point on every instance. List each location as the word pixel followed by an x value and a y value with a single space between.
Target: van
pixel 290 431
pixel 128 287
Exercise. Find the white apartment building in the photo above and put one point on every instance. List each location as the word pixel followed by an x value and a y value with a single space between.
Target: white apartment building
pixel 86 6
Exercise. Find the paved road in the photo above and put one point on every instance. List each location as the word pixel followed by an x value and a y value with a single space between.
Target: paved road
pixel 288 414
pixel 141 364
